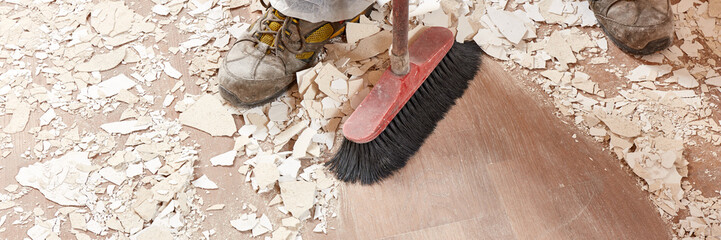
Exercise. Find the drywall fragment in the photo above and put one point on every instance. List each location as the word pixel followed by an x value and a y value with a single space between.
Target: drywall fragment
pixel 77 221
pixel 51 178
pixel 110 174
pixel 153 165
pixel 42 230
pixel 621 126
pixel 134 170
pixel 648 72
pixel 291 223
pixel 47 117
pixel 339 86
pixel 278 112
pixel 421 8
pixel 20 118
pixel 125 127
pixel 714 81
pixel 161 10
pixel 155 232
pixel 290 132
pixel 102 62
pixel 371 46
pixel 436 18
pixel 266 174
pixel 247 130
pixel 171 71
pixel 560 49
pixel 508 24
pixel 320 228
pixel 262 227
pixel 225 159
pixel 288 170
pixel 216 207
pixel 204 182
pixel 325 78
pixel 168 100
pixel 275 200
pixel 209 115
pixel 301 145
pixel 714 8
pixel 112 86
pixel 358 31
pixel 685 79
pixel 465 30
pixel 597 132
pixel 298 197
pixel 533 12
pixel 246 222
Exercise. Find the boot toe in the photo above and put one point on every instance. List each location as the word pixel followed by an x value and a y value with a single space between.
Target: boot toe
pixel 638 27
pixel 249 77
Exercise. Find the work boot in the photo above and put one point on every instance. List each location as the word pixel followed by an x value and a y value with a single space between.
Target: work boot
pixel 263 62
pixel 636 26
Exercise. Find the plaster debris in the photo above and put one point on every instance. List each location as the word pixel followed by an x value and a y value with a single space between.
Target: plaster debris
pixel 246 222
pixel 171 71
pixel 111 87
pixel 102 62
pixel 465 29
pixel 509 24
pixel 205 108
pixel 648 72
pixel 358 31
pixel 714 81
pixel 168 100
pixel 19 120
pixel 161 10
pixel 371 46
pixel 298 197
pixel 301 145
pixel 262 227
pixel 225 159
pixel 205 183
pixel 60 180
pixel 685 79
pixel 216 207
pixel 110 174
pixel 266 174
pixel 155 231
pixel 125 127
pixel 436 18
pixel 560 49
pixel 47 117
pixel 288 170
pixel 620 126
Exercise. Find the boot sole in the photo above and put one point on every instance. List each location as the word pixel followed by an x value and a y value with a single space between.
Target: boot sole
pixel 651 47
pixel 235 101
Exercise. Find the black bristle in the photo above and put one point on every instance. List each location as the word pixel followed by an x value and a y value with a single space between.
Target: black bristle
pixel 371 162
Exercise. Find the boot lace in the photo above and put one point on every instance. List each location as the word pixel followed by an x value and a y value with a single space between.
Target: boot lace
pixel 273 30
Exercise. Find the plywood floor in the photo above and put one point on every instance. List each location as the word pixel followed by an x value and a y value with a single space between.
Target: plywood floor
pixel 502 166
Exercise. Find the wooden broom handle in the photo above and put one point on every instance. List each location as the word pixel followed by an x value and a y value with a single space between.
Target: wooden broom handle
pixel 399 50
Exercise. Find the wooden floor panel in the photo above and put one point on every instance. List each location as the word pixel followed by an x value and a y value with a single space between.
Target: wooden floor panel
pixel 502 166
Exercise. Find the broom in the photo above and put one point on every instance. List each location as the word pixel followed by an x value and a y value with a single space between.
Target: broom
pixel 402 109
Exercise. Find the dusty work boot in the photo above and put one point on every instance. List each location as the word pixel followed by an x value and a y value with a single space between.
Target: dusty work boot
pixel 263 62
pixel 636 26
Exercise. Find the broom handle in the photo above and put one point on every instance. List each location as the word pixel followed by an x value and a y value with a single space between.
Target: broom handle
pixel 399 51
